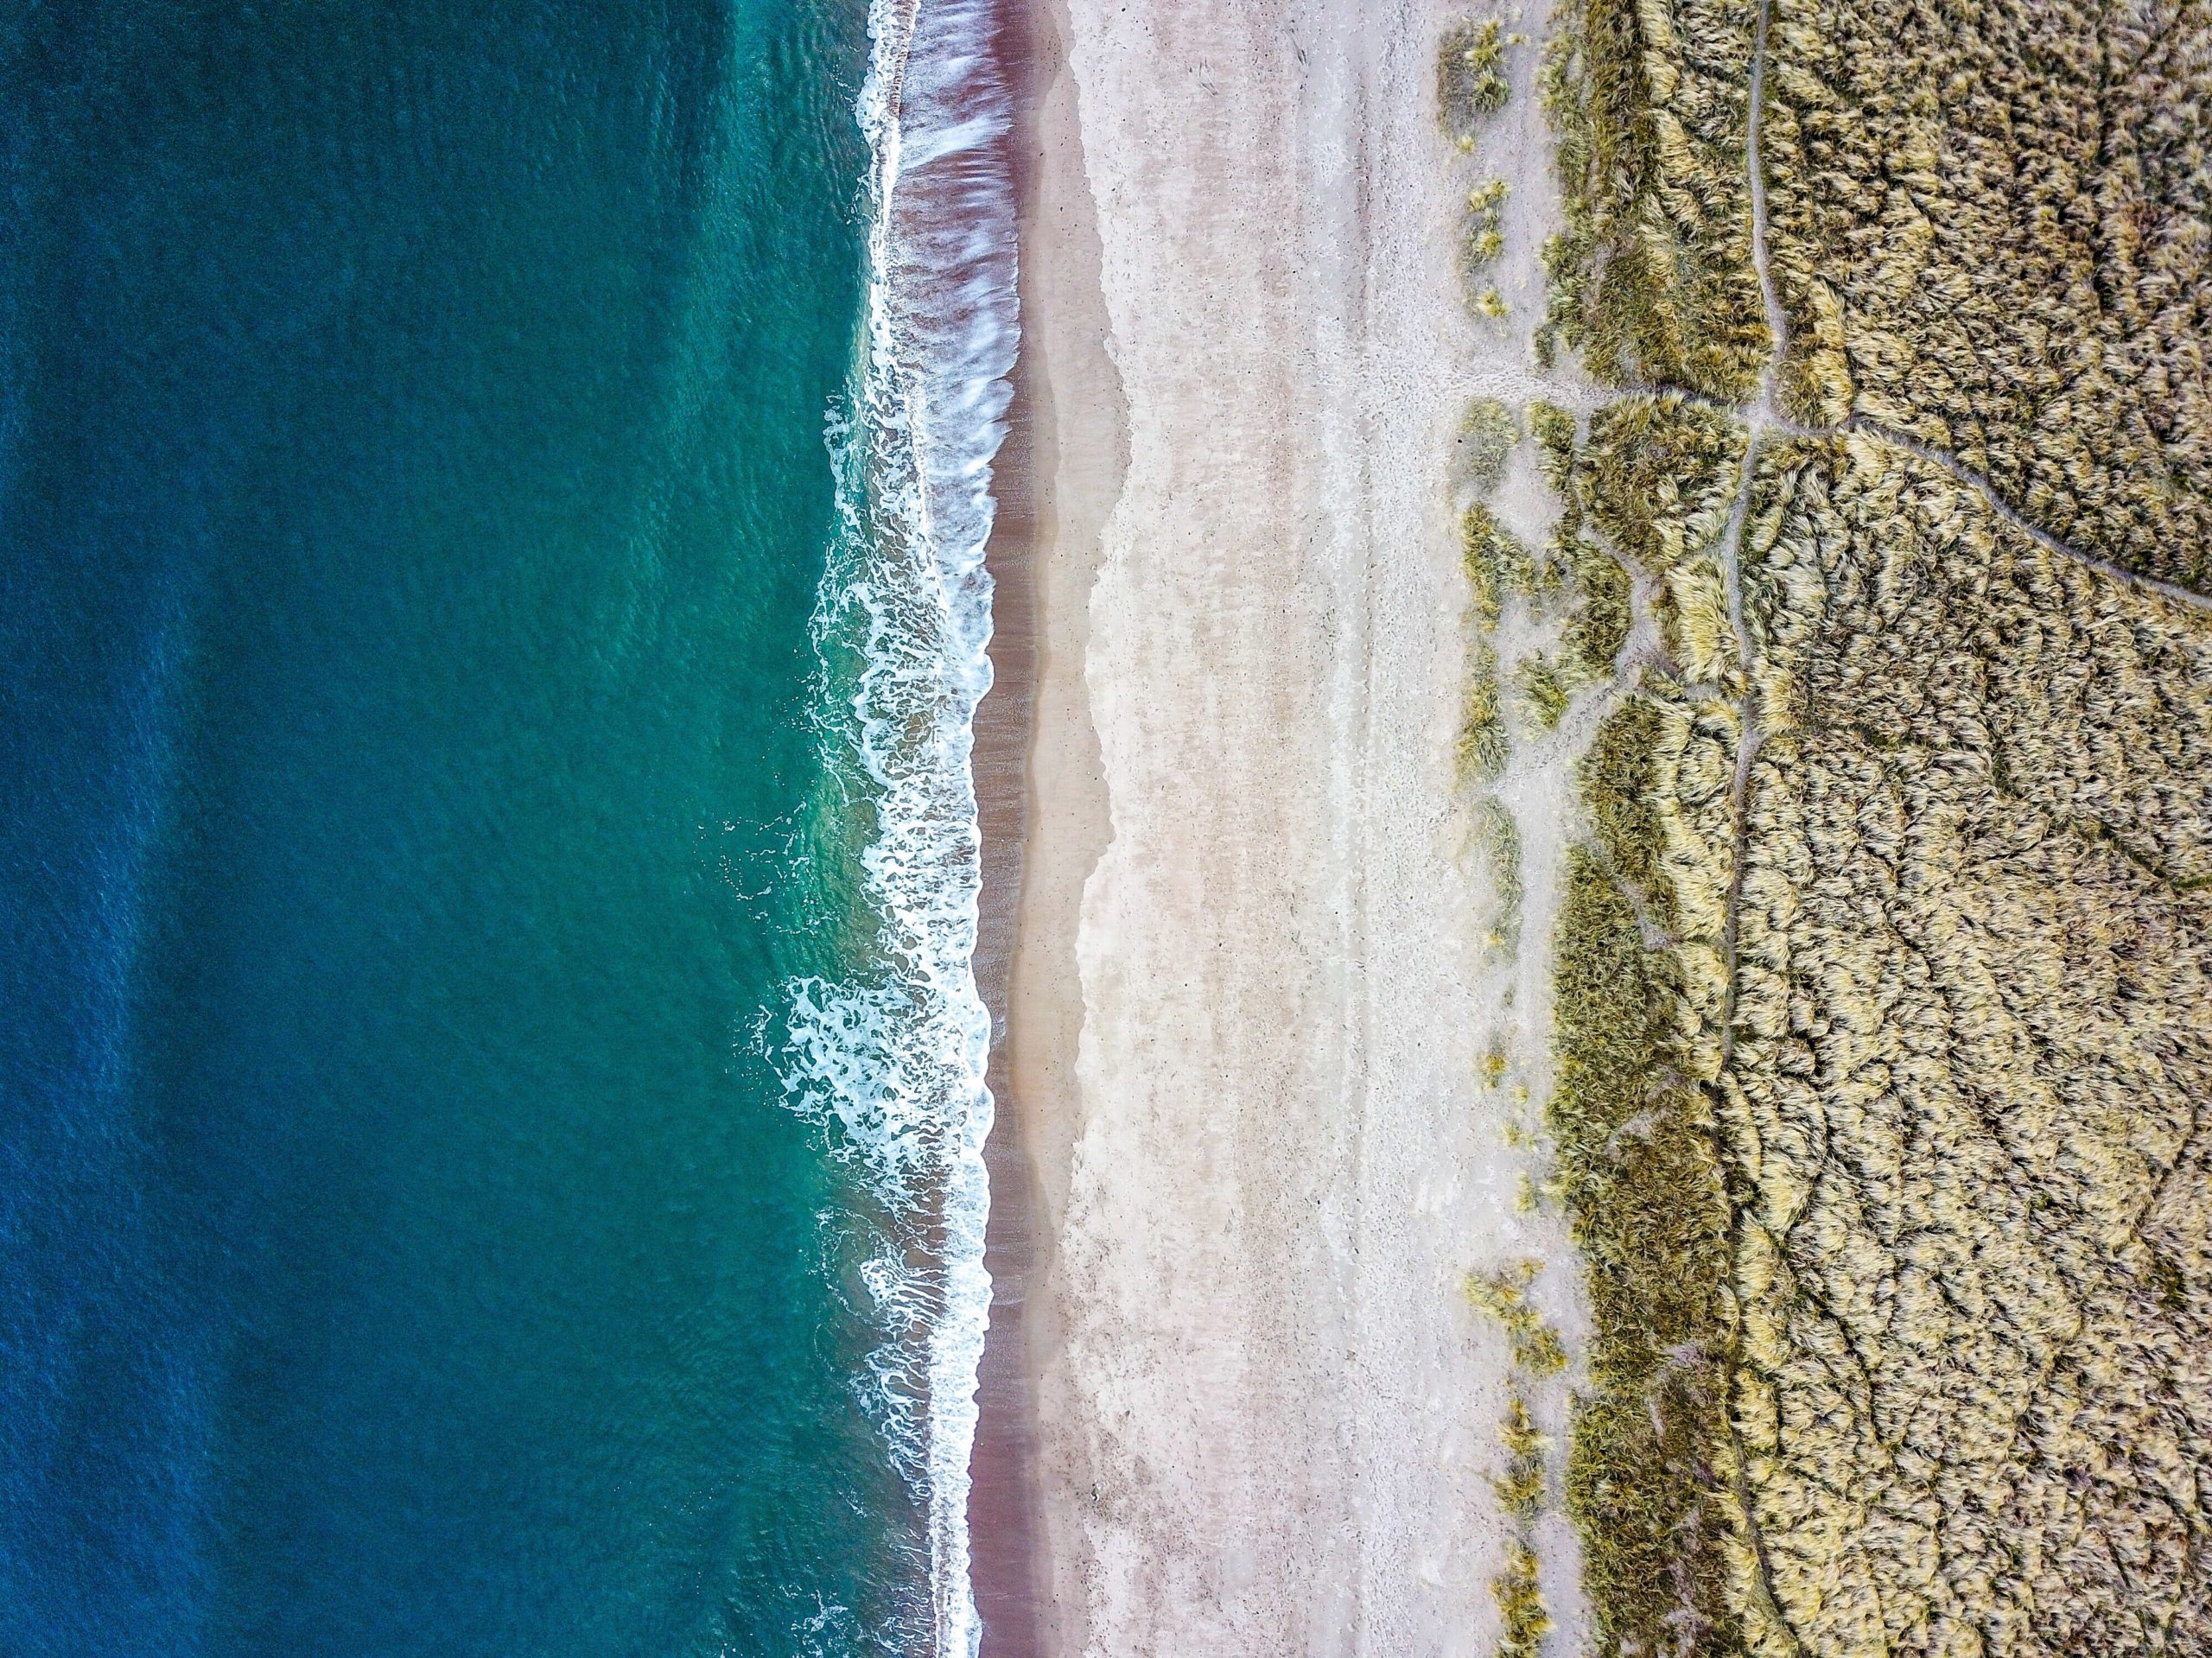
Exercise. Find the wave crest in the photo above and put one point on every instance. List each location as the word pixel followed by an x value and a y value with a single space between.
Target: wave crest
pixel 892 1063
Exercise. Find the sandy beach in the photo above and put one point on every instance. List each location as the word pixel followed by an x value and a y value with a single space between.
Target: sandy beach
pixel 1247 992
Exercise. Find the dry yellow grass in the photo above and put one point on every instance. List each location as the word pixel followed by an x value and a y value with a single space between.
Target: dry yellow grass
pixel 1879 1101
pixel 1973 1045
pixel 1652 277
pixel 1991 225
pixel 1884 992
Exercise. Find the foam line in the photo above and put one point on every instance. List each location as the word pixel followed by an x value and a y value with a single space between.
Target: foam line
pixel 895 1066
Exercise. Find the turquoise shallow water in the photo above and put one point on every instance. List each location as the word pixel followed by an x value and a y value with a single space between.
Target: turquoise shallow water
pixel 435 1216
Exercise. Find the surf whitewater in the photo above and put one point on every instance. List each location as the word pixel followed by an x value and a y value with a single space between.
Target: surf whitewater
pixel 891 1060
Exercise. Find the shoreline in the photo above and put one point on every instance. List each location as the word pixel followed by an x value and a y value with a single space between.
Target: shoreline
pixel 1041 799
pixel 1002 1460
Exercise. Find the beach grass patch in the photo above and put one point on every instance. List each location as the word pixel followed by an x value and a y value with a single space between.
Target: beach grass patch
pixel 1470 80
pixel 1488 432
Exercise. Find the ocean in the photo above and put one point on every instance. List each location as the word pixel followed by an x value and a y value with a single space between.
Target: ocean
pixel 491 509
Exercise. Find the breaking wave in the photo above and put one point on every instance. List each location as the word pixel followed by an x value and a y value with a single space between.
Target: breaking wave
pixel 891 1060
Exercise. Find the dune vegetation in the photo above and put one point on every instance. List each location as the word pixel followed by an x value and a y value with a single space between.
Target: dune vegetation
pixel 1991 230
pixel 1651 278
pixel 1972 1024
pixel 1882 985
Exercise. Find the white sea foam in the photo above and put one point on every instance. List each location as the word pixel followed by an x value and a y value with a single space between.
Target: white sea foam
pixel 894 1066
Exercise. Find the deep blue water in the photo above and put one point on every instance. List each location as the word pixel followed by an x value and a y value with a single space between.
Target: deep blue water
pixel 414 498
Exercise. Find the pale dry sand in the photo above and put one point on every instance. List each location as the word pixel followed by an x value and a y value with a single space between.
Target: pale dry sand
pixel 1249 995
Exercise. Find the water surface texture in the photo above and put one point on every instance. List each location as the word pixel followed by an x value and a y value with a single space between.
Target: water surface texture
pixel 452 959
